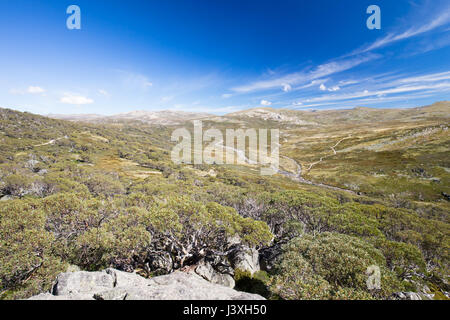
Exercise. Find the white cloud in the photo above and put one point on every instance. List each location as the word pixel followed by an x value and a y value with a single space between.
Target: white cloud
pixel 323 87
pixel 335 88
pixel 103 92
pixel 347 82
pixel 227 95
pixel 29 90
pixel 35 90
pixel 287 88
pixel 76 100
pixel 266 103
pixel 311 84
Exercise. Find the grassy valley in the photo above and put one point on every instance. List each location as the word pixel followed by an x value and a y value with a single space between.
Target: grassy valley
pixel 358 187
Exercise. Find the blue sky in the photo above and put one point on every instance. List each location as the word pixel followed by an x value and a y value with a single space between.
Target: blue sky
pixel 222 56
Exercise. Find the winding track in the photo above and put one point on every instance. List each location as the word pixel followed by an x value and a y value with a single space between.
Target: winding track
pixel 333 148
pixel 297 176
pixel 50 142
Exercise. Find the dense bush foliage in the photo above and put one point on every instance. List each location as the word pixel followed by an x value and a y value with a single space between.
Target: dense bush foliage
pixel 37 235
pixel 330 266
pixel 27 262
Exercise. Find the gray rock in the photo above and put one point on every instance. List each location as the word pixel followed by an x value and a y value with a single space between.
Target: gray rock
pixel 6 198
pixel 82 282
pixel 31 163
pixel 223 279
pixel 49 296
pixel 123 279
pixel 207 272
pixel 42 172
pixel 114 294
pixel 245 258
pixel 427 296
pixel 220 263
pixel 412 296
pixel 112 284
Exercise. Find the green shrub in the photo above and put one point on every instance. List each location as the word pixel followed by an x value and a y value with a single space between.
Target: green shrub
pixel 318 267
pixel 17 185
pixel 27 263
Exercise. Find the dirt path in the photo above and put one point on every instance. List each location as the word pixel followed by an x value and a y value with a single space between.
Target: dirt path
pixel 297 176
pixel 50 142
pixel 333 148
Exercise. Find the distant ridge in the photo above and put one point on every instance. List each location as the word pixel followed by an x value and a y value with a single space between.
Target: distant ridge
pixel 165 117
pixel 287 116
pixel 360 114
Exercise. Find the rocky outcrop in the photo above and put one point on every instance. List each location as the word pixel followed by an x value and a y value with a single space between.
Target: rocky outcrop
pixel 207 272
pixel 244 258
pixel 112 284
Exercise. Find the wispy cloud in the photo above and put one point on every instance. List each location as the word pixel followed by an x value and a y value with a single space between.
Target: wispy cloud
pixel 35 90
pixel 103 93
pixel 135 80
pixel 382 88
pixel 209 109
pixel 358 102
pixel 75 99
pixel 265 103
pixel 366 93
pixel 441 19
pixel 297 78
pixel 311 84
pixel 427 78
pixel 29 90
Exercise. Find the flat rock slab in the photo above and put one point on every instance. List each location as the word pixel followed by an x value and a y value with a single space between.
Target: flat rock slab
pixel 112 284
